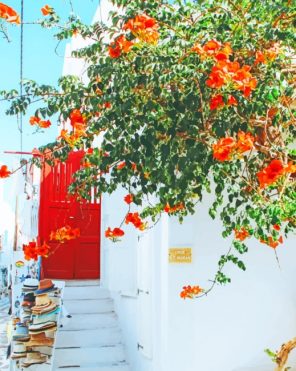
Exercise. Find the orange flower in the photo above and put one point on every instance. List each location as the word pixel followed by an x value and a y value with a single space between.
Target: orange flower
pixel 107 105
pixel 75 32
pixel 63 134
pixel 43 250
pixel 135 219
pixel 223 149
pixel 232 101
pixel 212 46
pixel 90 151
pixel 114 51
pixel 245 142
pixel 214 49
pixel 121 45
pixel 32 250
pixel 4 172
pixel 65 234
pixel 277 227
pixel 129 198
pixel 144 28
pixel 241 234
pixel 46 10
pixel 34 120
pixel 271 242
pixel 216 102
pixel 197 48
pixel 140 22
pixel 267 55
pixel 290 168
pixel 121 165
pixel 9 14
pixel 44 124
pixel 189 292
pixel 270 173
pixel 260 58
pixel 244 80
pixel 76 117
pixel 134 166
pixel 172 209
pixel 124 44
pixel 114 234
pixel 216 79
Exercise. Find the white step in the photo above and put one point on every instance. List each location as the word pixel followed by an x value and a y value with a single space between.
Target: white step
pixel 77 283
pixel 88 338
pixel 108 356
pixel 97 368
pixel 89 306
pixel 85 292
pixel 90 321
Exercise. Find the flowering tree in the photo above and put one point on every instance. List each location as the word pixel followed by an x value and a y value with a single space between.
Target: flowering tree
pixel 189 98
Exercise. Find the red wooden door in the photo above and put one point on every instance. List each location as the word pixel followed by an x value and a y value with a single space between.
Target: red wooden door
pixel 78 258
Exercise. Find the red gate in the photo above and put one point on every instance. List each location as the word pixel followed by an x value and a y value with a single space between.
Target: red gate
pixel 78 258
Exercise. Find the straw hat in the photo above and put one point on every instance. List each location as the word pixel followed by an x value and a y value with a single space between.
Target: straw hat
pixel 19 351
pixel 30 284
pixel 45 318
pixel 39 340
pixel 45 285
pixel 37 328
pixel 43 310
pixel 34 358
pixel 44 350
pixel 41 301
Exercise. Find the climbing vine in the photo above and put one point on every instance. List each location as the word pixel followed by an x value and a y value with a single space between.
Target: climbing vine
pixel 188 98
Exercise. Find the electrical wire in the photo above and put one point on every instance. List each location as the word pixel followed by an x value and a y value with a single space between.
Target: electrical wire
pixel 21 73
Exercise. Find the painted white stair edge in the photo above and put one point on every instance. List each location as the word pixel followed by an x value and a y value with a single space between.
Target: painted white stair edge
pixel 89 306
pixel 89 338
pixel 86 292
pixel 91 321
pixel 96 368
pixel 104 356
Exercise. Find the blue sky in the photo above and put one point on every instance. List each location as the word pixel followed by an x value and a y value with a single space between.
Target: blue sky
pixel 40 64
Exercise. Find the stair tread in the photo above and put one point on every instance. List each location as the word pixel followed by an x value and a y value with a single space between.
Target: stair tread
pixel 97 368
pixel 88 338
pixel 89 306
pixel 89 321
pixel 108 356
pixel 85 292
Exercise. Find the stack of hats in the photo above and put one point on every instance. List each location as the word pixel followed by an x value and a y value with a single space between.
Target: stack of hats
pixel 34 331
pixel 30 285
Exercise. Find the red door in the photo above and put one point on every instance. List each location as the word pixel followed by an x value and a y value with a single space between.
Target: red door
pixel 78 258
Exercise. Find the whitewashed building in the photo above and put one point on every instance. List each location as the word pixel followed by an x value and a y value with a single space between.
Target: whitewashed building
pixel 226 331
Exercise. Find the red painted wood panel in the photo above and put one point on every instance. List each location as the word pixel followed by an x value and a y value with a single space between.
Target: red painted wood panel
pixel 79 258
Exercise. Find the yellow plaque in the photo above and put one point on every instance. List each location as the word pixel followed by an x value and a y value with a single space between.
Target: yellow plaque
pixel 180 255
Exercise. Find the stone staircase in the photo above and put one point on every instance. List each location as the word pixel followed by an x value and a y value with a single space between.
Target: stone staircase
pixel 91 339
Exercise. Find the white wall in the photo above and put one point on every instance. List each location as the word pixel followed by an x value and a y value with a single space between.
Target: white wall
pixel 233 325
pixel 229 329
pixel 226 331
